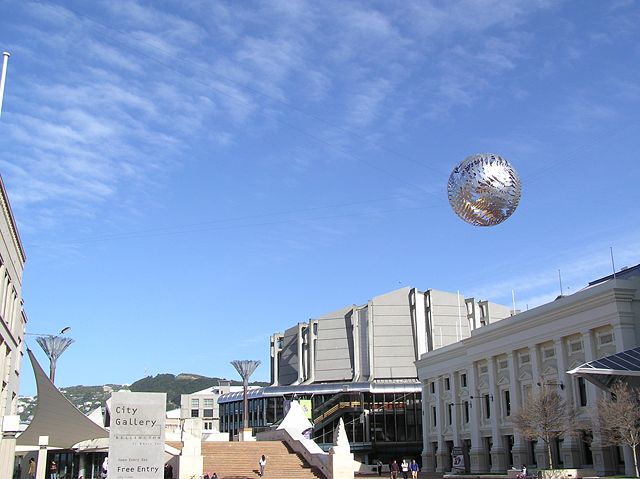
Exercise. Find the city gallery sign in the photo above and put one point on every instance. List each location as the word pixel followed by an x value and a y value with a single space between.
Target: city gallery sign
pixel 136 436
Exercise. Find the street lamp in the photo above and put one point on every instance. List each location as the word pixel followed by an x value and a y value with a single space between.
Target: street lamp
pixel 245 368
pixel 53 346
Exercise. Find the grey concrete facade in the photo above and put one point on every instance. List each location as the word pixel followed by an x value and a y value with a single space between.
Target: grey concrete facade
pixel 471 387
pixel 376 341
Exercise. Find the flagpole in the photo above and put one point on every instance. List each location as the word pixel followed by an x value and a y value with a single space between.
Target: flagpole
pixel 5 61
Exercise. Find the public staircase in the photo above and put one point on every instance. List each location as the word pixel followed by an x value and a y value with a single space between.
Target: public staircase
pixel 239 460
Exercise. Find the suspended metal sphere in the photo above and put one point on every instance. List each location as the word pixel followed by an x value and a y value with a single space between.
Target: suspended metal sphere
pixel 484 189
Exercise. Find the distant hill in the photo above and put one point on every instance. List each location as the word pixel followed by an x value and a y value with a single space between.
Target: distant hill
pixel 88 398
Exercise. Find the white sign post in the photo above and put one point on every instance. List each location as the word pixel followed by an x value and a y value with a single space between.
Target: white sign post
pixel 136 437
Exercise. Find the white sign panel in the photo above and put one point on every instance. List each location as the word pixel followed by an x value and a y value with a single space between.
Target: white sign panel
pixel 136 437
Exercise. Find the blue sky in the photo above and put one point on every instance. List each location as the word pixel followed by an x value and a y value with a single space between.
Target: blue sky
pixel 190 177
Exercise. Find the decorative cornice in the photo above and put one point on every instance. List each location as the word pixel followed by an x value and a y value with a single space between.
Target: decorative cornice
pixel 8 214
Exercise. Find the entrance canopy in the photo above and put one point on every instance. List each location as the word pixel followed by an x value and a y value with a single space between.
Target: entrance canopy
pixel 605 371
pixel 55 416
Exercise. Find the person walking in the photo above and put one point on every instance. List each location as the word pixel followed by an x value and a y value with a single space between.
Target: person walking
pixel 379 466
pixel 405 469
pixel 262 463
pixel 32 468
pixel 394 469
pixel 413 467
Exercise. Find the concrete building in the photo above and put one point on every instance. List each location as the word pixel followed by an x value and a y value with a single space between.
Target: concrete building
pixel 12 325
pixel 471 388
pixel 358 363
pixel 204 406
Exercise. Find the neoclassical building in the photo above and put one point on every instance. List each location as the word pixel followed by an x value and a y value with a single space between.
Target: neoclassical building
pixel 12 259
pixel 471 388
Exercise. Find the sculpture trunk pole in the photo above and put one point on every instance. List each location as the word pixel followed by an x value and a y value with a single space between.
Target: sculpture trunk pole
pixel 245 412
pixel 245 368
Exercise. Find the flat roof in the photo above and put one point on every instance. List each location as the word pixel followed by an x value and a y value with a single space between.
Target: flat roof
pixel 327 388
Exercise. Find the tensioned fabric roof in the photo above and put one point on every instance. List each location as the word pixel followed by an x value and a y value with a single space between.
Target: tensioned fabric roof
pixel 605 371
pixel 55 416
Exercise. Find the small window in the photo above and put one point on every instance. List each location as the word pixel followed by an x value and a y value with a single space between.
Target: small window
pixel 195 413
pixel 447 384
pixel 507 403
pixel 525 358
pixel 207 413
pixel 463 380
pixel 434 416
pixel 432 387
pixel 487 406
pixel 195 403
pixel 503 364
pixel 582 392
pixel 549 353
pixel 575 346
pixel 208 403
pixel 450 413
pixel 466 411
pixel 605 338
pixel 484 369
pixel 208 426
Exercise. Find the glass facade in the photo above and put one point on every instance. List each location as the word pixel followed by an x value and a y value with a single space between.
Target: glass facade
pixel 379 425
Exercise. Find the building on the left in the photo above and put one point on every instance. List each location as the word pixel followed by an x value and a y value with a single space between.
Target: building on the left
pixel 12 326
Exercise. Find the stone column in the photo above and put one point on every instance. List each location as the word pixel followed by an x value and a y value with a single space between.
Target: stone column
pixel 9 427
pixel 519 451
pixel 498 460
pixel 428 455
pixel 571 445
pixel 455 409
pixel 603 459
pixel 477 456
pixel 41 464
pixel 443 459
pixel 82 464
pixel 540 451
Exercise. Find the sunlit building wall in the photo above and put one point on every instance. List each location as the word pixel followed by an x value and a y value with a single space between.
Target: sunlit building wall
pixel 12 325
pixel 470 389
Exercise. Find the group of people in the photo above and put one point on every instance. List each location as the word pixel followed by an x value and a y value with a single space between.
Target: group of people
pixel 212 476
pixel 53 469
pixel 405 467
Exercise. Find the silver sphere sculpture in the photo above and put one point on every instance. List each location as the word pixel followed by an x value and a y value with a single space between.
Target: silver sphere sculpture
pixel 484 189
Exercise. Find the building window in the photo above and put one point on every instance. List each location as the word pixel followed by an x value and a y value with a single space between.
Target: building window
pixel 207 413
pixel 195 413
pixel 447 384
pixel 208 403
pixel 525 358
pixel 450 413
pixel 605 338
pixel 463 380
pixel 434 416
pixel 432 387
pixel 549 353
pixel 466 411
pixel 484 369
pixel 195 403
pixel 208 426
pixel 503 364
pixel 487 406
pixel 582 392
pixel 507 403
pixel 575 346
